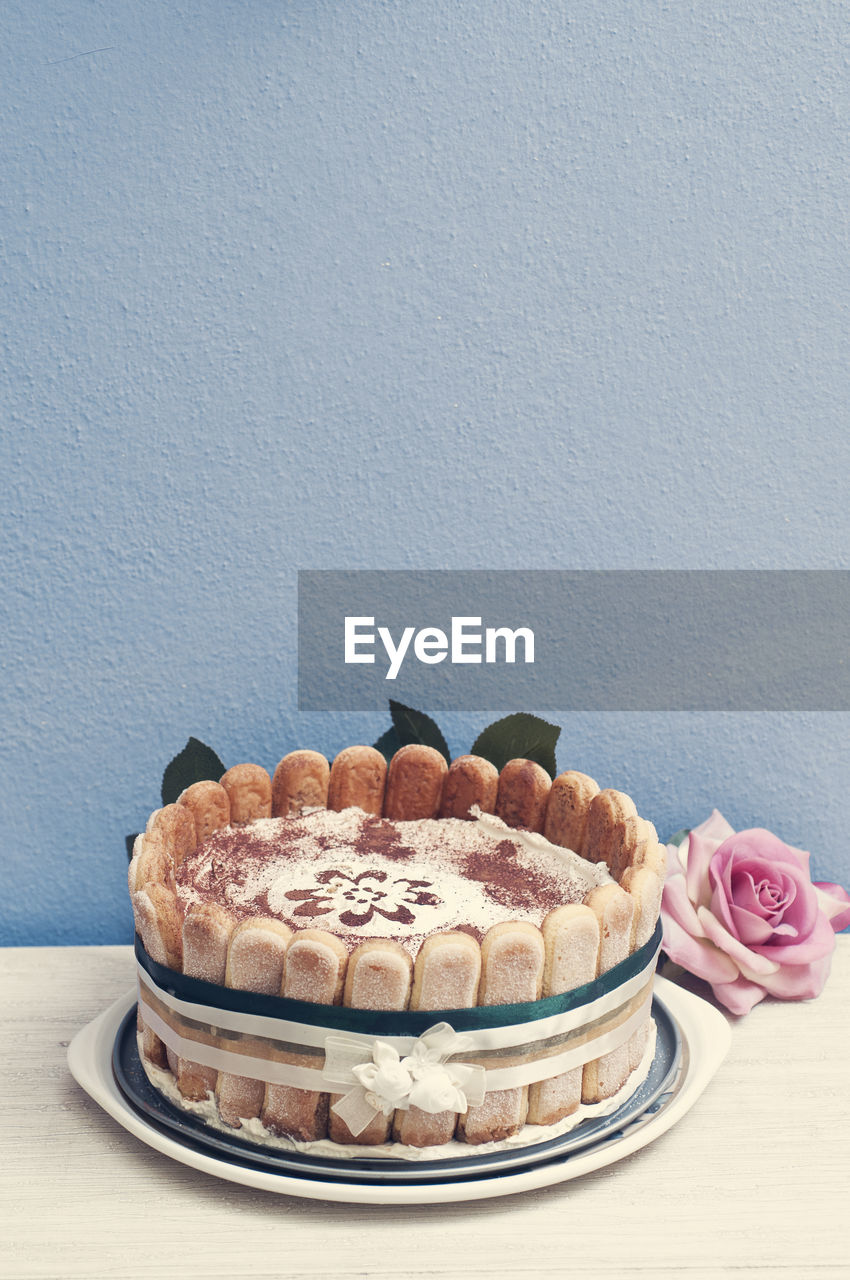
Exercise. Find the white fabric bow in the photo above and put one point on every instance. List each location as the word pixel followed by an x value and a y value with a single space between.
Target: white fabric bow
pixel 382 1081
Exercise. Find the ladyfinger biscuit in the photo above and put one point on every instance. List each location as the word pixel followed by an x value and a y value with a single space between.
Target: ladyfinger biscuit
pixel 632 838
pixel 133 865
pixel 255 960
pixel 605 811
pixel 513 957
pixel 447 972
pixel 315 967
pixel 651 854
pixel 446 975
pixel 314 970
pixel 566 809
pixel 152 819
pixel 358 780
pixel 637 1043
pixel 209 806
pixel 571 935
pixel 159 925
pixel 524 788
pixel 300 782
pixel 206 936
pixel 471 780
pixel 152 862
pixel 150 865
pixel 614 910
pixel 414 783
pixel 378 977
pixel 646 888
pixel 256 955
pixel 624 841
pixel 152 1047
pixel 174 822
pixel 249 791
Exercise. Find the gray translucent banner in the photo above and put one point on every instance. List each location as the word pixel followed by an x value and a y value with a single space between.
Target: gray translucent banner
pixel 610 640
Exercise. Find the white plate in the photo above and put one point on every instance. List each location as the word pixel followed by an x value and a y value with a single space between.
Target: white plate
pixel 705 1034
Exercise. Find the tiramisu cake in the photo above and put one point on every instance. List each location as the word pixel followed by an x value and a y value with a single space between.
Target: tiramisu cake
pixel 414 957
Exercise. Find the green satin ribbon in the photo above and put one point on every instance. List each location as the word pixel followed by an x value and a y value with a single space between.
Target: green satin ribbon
pixel 407 1022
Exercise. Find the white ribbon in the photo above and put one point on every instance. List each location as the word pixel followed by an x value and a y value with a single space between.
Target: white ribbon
pixel 380 1080
pixel 313 1079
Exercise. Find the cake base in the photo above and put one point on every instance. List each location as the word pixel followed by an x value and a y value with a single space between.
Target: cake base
pixel 649 1086
pixel 702 1037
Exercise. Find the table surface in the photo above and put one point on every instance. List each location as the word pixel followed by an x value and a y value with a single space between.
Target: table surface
pixel 752 1182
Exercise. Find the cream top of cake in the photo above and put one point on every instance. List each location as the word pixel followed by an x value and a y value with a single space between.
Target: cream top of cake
pixel 367 877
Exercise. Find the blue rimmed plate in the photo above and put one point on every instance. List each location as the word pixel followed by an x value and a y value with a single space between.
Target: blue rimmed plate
pixel 655 1091
pixel 693 1038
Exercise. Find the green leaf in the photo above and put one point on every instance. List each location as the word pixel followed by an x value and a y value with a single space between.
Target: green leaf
pixel 680 837
pixel 520 736
pixel 415 726
pixel 195 763
pixel 388 744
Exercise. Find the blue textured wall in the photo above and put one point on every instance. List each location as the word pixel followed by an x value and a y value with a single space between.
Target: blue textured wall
pixel 399 285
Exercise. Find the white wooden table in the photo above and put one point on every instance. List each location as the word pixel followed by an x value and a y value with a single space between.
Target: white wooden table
pixel 753 1182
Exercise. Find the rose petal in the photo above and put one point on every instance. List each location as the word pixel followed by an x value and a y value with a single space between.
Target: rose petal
pixel 715 827
pixel 675 865
pixel 801 910
pixel 720 896
pixel 739 996
pixel 834 902
pixel 748 890
pixel 736 950
pixel 696 954
pixel 782 931
pixel 748 927
pixel 819 943
pixel 802 857
pixel 725 875
pixel 766 890
pixel 757 915
pixel 801 982
pixel 764 846
pixel 701 850
pixel 675 902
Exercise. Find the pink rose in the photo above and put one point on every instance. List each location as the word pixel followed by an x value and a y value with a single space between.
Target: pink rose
pixel 741 911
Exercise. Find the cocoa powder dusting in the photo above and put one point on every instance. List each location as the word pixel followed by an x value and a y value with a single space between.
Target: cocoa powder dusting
pixel 360 876
pixel 525 888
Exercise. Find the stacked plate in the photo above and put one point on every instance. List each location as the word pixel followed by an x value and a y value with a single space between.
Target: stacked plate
pixel 692 1040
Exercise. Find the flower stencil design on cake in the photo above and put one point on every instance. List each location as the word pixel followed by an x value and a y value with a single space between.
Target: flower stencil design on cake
pixel 356 899
pixel 741 911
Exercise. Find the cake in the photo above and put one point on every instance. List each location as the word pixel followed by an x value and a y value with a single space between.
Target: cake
pixel 404 959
